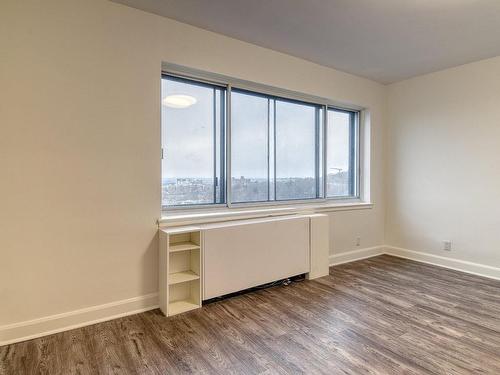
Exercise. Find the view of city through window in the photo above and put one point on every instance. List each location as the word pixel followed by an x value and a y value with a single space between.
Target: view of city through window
pixel 276 147
pixel 192 191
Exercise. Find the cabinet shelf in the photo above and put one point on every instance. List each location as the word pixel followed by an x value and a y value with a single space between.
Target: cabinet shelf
pixel 178 307
pixel 183 246
pixel 182 277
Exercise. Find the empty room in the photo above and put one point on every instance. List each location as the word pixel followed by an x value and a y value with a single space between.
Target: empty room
pixel 249 187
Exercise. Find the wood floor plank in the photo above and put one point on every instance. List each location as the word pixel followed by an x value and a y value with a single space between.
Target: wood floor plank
pixel 383 315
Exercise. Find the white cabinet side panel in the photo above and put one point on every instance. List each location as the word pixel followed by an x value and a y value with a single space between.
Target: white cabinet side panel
pixel 319 246
pixel 163 272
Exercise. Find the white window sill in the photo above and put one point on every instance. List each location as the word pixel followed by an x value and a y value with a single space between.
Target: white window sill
pixel 176 218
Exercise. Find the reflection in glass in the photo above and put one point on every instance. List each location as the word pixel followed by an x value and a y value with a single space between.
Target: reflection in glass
pixel 191 142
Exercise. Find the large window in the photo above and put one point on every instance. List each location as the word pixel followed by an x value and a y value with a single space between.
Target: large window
pixel 281 149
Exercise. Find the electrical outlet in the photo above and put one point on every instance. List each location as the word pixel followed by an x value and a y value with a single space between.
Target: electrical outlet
pixel 358 241
pixel 447 245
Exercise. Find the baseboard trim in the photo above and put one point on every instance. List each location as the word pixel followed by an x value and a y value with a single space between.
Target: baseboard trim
pixel 418 256
pixel 451 263
pixel 27 330
pixel 353 255
pixel 31 329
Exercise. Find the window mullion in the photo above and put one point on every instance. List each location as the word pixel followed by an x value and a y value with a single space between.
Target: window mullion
pixel 268 149
pixel 351 155
pixel 222 143
pixel 274 148
pixel 316 151
pixel 353 158
pixel 325 150
pixel 228 147
pixel 214 95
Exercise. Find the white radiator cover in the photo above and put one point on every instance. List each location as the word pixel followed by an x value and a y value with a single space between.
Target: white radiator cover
pixel 242 254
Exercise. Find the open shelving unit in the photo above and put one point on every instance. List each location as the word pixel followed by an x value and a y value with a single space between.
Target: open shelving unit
pixel 180 270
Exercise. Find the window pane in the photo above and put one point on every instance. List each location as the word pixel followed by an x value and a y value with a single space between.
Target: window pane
pixel 295 150
pixel 249 147
pixel 340 153
pixel 192 118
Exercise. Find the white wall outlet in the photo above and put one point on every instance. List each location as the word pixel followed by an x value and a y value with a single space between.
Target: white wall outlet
pixel 358 241
pixel 447 245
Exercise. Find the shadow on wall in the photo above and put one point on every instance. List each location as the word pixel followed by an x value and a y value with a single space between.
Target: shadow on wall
pixel 149 267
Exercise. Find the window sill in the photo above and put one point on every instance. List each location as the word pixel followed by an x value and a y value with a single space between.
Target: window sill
pixel 226 214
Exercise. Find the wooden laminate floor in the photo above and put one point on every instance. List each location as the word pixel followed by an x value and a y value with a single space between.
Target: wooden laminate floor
pixel 382 315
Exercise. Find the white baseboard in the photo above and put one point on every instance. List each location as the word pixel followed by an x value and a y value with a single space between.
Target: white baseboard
pixel 451 263
pixel 31 329
pixel 437 260
pixel 353 255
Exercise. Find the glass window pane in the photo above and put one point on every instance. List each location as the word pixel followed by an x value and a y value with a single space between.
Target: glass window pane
pixel 340 153
pixel 249 147
pixel 191 122
pixel 295 150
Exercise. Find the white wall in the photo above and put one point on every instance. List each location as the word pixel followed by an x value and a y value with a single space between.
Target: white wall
pixel 80 146
pixel 443 164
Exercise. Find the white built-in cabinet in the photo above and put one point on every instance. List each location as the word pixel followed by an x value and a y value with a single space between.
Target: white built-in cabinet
pixel 211 260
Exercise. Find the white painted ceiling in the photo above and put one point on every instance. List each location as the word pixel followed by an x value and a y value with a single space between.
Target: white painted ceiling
pixel 384 40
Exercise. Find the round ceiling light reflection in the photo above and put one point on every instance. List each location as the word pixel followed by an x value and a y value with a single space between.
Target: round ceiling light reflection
pixel 179 101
